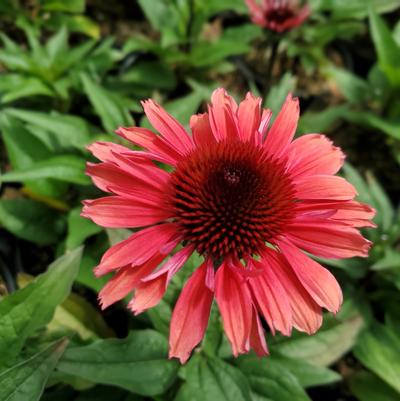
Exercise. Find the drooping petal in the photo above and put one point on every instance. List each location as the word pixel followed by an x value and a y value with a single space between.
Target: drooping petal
pixel 271 299
pixel 153 287
pixel 318 281
pixel 257 335
pixel 172 131
pixel 297 20
pixel 190 316
pixel 324 187
pixel 222 114
pixel 314 154
pixel 139 248
pixel 125 280
pixel 159 149
pixel 256 12
pixel 283 128
pixel 119 212
pixel 201 130
pixel 306 314
pixel 327 238
pixel 234 302
pixel 249 118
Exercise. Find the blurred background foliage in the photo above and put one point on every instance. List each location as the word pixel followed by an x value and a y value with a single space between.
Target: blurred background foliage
pixel 70 73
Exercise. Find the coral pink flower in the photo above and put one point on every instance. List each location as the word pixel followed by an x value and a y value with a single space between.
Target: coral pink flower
pixel 277 15
pixel 249 199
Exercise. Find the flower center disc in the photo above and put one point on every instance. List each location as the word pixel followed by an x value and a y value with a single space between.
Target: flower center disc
pixel 229 199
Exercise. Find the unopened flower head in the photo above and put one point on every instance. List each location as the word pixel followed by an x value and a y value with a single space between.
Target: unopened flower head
pixel 246 197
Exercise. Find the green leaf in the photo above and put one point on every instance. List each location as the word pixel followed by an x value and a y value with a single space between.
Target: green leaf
pixel 66 168
pixel 307 374
pixel 271 380
pixel 379 350
pixel 79 228
pixel 32 307
pixel 353 88
pixel 391 260
pixel 385 211
pixel 325 347
pixel 277 94
pixel 67 130
pixel 108 105
pixel 57 45
pixel 138 363
pixel 367 387
pixel 386 47
pixel 31 220
pixel 70 6
pixel 210 379
pixel 26 380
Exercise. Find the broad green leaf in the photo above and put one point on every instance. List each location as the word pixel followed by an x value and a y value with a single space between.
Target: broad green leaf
pixel 108 105
pixel 358 8
pixel 31 220
pixel 379 350
pixel 307 374
pixel 149 74
pixel 367 387
pixel 32 307
pixel 26 380
pixel 67 168
pixel 210 379
pixel 271 380
pixel 138 363
pixel 66 130
pixel 23 150
pixel 386 47
pixel 353 88
pixel 70 6
pixel 57 45
pixel 325 347
pixel 79 228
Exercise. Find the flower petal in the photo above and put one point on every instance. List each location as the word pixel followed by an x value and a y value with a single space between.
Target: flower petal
pixel 249 118
pixel 327 238
pixel 201 130
pixel 159 149
pixel 318 281
pixel 125 280
pixel 222 115
pixel 234 302
pixel 139 248
pixel 324 187
pixel 284 127
pixel 314 154
pixel 119 212
pixel 271 299
pixel 257 335
pixel 171 130
pixel 190 316
pixel 307 315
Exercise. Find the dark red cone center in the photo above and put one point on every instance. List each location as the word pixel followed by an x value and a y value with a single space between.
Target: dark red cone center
pixel 230 199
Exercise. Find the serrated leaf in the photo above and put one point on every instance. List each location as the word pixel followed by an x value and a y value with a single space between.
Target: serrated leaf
pixel 325 347
pixel 272 380
pixel 210 379
pixel 26 380
pixel 138 363
pixel 31 220
pixel 66 168
pixel 32 307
